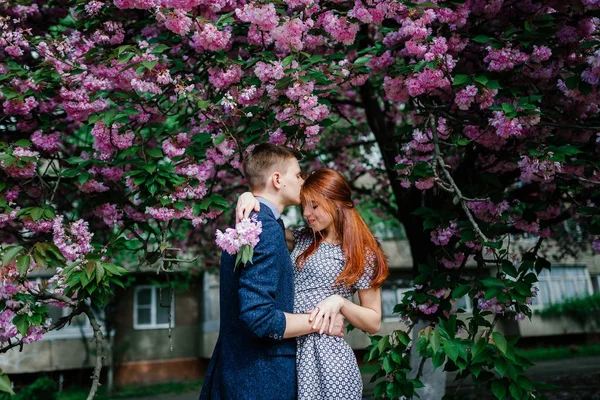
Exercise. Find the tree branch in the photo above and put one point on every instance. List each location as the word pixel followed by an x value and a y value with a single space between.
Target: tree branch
pixel 455 188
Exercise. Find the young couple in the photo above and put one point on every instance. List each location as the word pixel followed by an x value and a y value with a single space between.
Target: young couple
pixel 281 329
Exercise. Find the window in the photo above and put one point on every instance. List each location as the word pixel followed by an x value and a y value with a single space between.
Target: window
pixel 561 283
pixel 210 322
pixel 151 308
pixel 392 293
pixel 465 303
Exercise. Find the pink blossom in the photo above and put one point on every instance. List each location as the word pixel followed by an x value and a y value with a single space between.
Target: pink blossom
pixel 538 170
pixel 178 22
pixel 458 260
pixel 92 186
pixel 289 35
pixel 222 79
pixel 486 97
pixel 7 329
pixel 49 143
pixel 109 214
pixel 596 245
pixel 382 62
pixel 425 184
pixel 441 237
pixel 265 17
pixel 75 245
pixel 504 59
pixel 161 213
pixel 246 233
pixel 541 53
pixel 465 97
pixel 505 127
pixel 38 226
pixel 176 146
pixel 277 137
pixel 112 173
pixel 25 165
pixel 93 7
pixel 395 90
pixel 20 107
pixel 339 28
pixel 210 38
pixel 426 81
pixel 428 308
pixel 267 72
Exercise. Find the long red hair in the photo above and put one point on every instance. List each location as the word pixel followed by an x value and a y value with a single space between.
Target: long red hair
pixel 331 191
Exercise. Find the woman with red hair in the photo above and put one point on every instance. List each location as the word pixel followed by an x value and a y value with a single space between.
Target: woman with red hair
pixel 335 257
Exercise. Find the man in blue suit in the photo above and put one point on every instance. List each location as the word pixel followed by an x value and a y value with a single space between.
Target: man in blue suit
pixel 255 355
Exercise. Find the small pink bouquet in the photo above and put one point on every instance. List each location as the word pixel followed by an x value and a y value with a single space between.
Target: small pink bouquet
pixel 241 240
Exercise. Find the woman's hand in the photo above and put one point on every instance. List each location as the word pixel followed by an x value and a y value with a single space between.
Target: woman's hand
pixel 245 204
pixel 324 313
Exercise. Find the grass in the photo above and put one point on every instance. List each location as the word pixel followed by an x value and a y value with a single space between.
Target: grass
pixel 560 353
pixel 132 391
pixel 534 355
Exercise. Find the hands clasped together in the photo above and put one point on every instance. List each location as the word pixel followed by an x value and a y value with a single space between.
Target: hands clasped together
pixel 326 316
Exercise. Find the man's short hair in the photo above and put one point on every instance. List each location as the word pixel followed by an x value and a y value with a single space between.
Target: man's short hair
pixel 259 164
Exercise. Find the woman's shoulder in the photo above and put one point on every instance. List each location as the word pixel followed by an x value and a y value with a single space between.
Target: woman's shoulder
pixel 302 234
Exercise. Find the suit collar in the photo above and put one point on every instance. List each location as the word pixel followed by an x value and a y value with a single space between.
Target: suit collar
pixel 270 205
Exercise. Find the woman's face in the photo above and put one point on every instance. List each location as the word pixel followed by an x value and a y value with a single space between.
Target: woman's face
pixel 317 217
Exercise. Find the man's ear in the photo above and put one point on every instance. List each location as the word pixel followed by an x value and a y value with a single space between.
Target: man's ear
pixel 276 180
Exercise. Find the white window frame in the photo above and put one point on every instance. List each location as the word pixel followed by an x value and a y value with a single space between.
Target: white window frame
pixel 547 277
pixel 210 283
pixel 154 299
pixel 399 291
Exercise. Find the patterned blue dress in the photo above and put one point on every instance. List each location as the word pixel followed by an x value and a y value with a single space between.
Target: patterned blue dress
pixel 326 366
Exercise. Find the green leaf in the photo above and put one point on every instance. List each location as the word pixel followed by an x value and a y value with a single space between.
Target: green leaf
pixel 460 291
pixel 287 61
pixel 23 143
pixel 155 152
pixel 22 324
pixel 509 268
pixel 572 82
pixel 461 79
pixel 515 391
pixel 525 383
pixel 435 341
pixel 149 64
pixel 5 385
pixel 383 344
pixel 362 60
pixel 501 366
pixel 482 79
pixel 500 341
pixel 23 264
pixel 10 253
pixel 493 84
pixel 482 39
pixel 99 272
pixel 451 350
pixel 498 389
pixel 438 359
pixel 283 83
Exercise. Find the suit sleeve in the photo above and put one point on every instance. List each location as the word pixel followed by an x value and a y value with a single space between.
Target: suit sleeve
pixel 258 286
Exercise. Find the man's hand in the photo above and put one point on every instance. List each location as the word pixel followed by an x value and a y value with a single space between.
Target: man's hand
pixel 338 326
pixel 245 204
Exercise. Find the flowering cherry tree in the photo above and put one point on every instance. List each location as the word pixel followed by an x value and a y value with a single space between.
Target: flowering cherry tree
pixel 124 126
